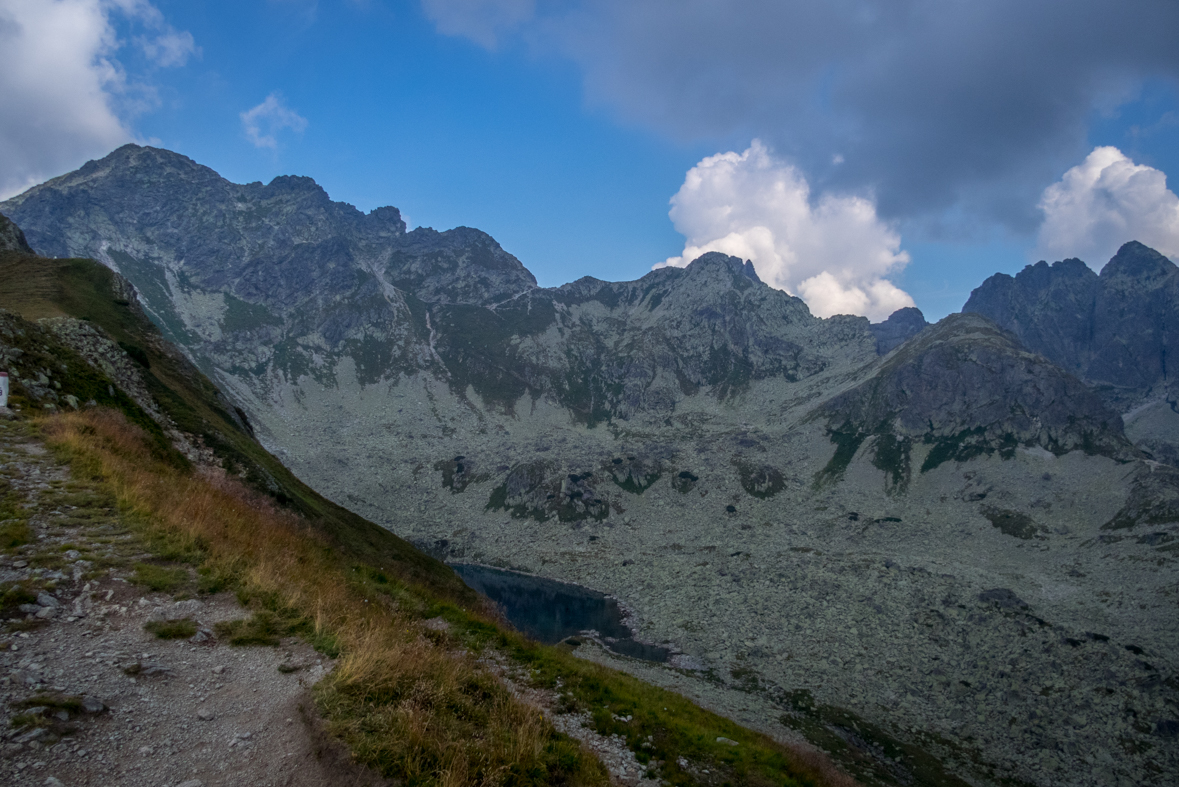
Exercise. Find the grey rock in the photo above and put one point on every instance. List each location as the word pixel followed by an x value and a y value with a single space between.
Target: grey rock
pixel 189 608
pixel 31 735
pixel 46 600
pixel 11 237
pixel 92 705
pixel 969 388
pixel 1110 329
pixel 191 783
pixel 204 714
pixel 901 325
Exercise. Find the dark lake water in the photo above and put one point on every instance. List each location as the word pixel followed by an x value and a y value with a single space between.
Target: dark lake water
pixel 549 611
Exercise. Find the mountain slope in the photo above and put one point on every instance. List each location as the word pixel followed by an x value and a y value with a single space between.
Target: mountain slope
pixel 785 508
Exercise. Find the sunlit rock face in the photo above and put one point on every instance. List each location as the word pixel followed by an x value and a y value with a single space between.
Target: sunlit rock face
pixel 940 528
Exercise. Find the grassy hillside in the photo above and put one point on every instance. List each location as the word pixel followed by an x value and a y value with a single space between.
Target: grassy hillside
pixel 36 288
pixel 413 696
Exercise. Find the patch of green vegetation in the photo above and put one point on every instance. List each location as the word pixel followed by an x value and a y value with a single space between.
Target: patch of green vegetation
pixel 212 580
pixel 760 481
pixel 657 725
pixel 14 524
pixel 477 346
pixel 1011 523
pixel 848 440
pixel 69 703
pixel 966 445
pixel 159 578
pixel 243 316
pixel 268 625
pixel 891 454
pixel 866 750
pixel 171 629
pixel 13 594
pixel 262 628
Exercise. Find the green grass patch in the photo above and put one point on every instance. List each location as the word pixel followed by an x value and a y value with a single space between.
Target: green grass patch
pixel 15 533
pixel 171 629
pixel 14 525
pixel 159 578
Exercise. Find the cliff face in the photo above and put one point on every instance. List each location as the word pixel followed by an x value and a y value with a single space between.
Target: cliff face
pixel 1115 330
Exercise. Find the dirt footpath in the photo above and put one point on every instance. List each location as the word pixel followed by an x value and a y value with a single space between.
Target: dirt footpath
pixel 89 697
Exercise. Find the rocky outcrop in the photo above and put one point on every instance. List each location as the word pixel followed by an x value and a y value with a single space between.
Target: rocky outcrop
pixel 968 388
pixel 11 237
pixel 901 325
pixel 1115 330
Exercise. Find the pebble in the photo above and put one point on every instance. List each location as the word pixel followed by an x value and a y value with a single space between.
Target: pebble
pixel 205 715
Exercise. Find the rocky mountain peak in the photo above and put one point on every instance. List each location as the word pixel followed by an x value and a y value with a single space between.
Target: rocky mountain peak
pixel 1137 261
pixel 718 266
pixel 1111 329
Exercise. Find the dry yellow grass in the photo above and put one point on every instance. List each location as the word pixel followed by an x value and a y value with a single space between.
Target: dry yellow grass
pixel 403 699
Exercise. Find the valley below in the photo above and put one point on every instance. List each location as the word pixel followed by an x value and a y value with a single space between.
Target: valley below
pixel 1013 647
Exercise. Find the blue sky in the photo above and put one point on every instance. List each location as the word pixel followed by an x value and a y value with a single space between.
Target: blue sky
pixel 866 155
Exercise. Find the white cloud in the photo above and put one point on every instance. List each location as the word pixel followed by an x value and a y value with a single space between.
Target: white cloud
pixel 65 97
pixel 482 21
pixel 263 122
pixel 170 49
pixel 1103 202
pixel 834 254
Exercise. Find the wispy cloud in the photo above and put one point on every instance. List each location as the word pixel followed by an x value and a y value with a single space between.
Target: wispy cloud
pixel 170 49
pixel 262 123
pixel 482 21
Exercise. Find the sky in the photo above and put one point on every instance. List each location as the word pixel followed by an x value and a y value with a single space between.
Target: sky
pixel 865 155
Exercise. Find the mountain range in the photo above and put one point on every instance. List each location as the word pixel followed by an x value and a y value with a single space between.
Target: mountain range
pixel 964 533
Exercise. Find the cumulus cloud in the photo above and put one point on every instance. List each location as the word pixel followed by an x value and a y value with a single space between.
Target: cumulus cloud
pixel 65 96
pixel 262 123
pixel 1103 202
pixel 930 104
pixel 482 21
pixel 834 253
